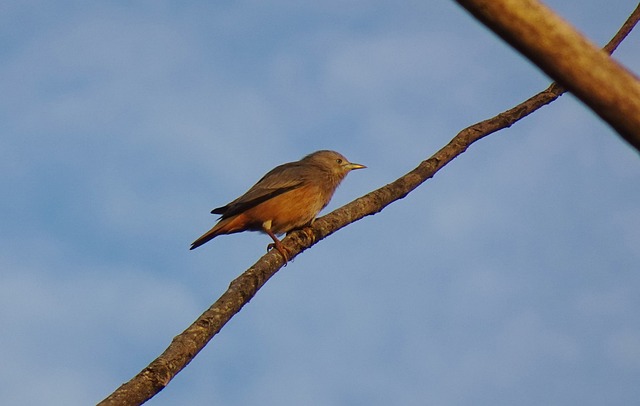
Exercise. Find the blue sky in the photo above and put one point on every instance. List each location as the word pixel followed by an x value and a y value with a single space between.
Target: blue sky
pixel 512 277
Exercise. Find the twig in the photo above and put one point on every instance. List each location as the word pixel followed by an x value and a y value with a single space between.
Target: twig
pixel 564 54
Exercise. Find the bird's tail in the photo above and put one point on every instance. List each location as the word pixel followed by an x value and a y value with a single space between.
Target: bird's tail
pixel 206 237
pixel 229 225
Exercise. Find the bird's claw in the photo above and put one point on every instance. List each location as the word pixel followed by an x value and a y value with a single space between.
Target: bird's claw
pixel 281 250
pixel 310 234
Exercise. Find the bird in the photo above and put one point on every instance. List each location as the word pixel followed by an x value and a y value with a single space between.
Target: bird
pixel 288 197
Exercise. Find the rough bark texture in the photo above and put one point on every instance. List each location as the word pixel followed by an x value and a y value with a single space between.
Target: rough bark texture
pixel 185 346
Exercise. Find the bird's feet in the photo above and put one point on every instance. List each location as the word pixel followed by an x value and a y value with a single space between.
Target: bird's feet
pixel 277 245
pixel 309 233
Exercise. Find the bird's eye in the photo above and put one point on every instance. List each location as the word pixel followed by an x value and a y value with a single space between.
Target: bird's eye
pixel 339 161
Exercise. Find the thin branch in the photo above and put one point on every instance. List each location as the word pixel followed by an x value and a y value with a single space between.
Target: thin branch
pixel 623 31
pixel 186 346
pixel 564 54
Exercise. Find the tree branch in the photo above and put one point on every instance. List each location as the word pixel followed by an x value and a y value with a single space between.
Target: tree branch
pixel 186 346
pixel 604 85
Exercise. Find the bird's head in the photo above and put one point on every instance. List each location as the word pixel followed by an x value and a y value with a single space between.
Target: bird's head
pixel 333 162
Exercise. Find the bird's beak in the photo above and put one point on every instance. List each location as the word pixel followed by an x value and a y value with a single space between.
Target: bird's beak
pixel 351 166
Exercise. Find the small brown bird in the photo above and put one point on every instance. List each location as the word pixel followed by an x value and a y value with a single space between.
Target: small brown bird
pixel 287 197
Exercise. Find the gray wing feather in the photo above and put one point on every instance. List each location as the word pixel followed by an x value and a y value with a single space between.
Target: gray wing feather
pixel 279 180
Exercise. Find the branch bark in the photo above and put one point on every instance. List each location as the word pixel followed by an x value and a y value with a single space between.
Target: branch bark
pixel 186 345
pixel 604 85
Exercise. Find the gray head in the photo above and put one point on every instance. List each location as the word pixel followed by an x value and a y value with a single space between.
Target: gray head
pixel 331 161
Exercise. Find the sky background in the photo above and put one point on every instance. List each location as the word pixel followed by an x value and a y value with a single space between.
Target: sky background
pixel 512 277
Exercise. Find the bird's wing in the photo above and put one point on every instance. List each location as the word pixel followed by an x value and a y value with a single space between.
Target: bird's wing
pixel 279 180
